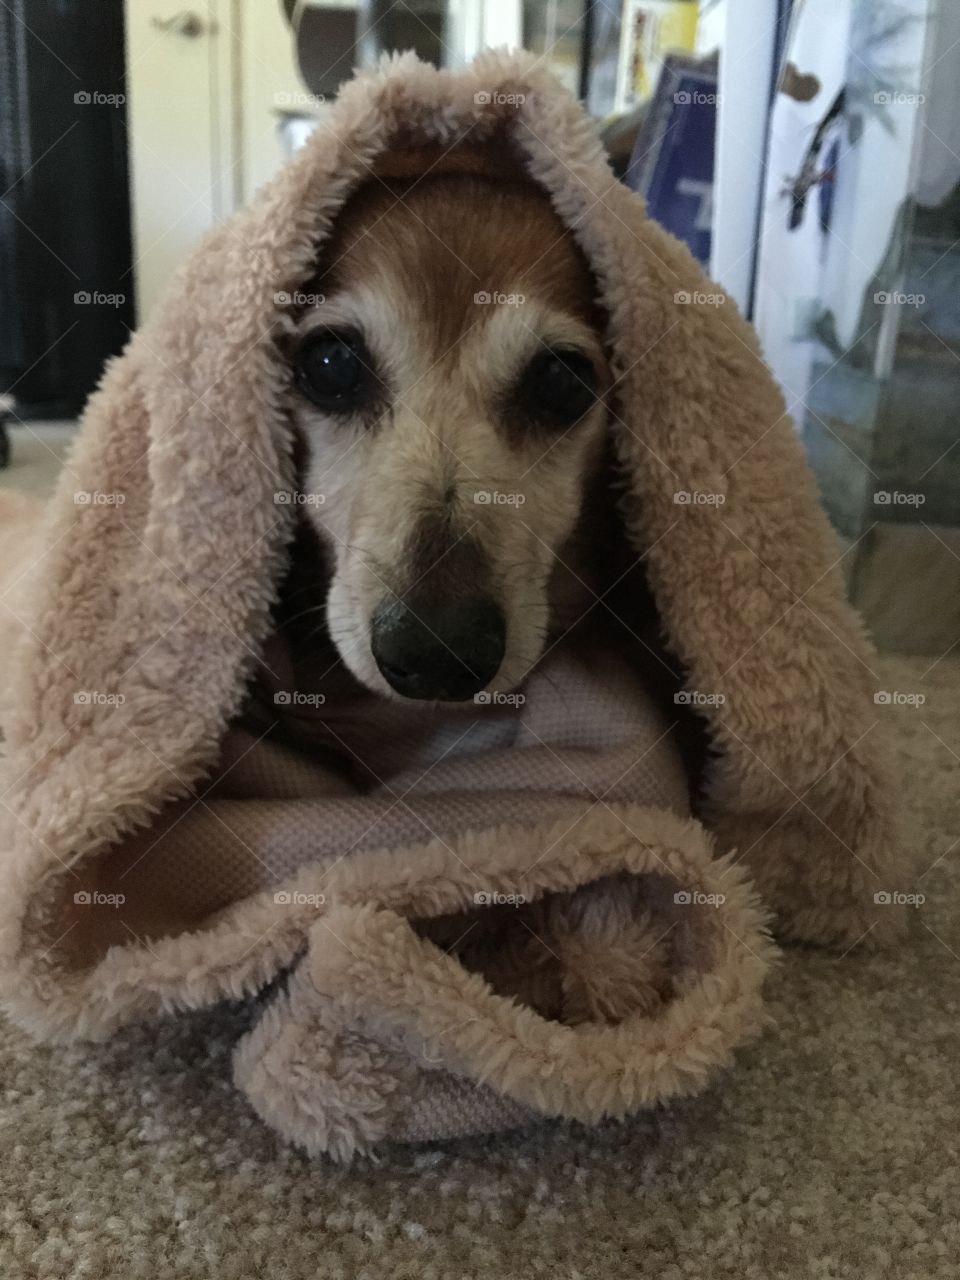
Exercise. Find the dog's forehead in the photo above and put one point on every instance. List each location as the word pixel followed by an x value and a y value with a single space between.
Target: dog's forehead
pixel 457 256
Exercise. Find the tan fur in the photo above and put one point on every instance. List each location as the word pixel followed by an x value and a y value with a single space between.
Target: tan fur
pixel 405 267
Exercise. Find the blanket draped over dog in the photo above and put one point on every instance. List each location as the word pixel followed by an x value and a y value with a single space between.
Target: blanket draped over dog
pixel 525 909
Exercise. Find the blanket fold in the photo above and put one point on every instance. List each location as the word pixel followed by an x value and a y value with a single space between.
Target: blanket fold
pixel 512 915
pixel 395 1026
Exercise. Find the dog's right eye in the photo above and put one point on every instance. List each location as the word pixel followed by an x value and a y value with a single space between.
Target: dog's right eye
pixel 333 369
pixel 558 387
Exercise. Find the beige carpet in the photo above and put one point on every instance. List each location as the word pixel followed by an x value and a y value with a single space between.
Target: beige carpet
pixel 36 454
pixel 831 1150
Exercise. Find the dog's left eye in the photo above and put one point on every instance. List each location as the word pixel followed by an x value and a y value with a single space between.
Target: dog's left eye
pixel 333 369
pixel 558 386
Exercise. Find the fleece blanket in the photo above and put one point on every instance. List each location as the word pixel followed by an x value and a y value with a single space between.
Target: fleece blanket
pixel 552 905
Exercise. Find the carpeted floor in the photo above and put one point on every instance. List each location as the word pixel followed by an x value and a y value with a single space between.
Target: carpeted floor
pixel 831 1150
pixel 37 450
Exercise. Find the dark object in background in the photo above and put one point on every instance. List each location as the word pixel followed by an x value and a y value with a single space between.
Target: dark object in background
pixel 66 284
pixel 619 137
pixel 673 159
pixel 811 174
pixel 332 38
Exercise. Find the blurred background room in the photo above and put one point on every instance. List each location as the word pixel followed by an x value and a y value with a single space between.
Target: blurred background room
pixel 808 153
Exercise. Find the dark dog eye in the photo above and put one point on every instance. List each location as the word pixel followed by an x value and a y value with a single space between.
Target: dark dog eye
pixel 333 369
pixel 558 387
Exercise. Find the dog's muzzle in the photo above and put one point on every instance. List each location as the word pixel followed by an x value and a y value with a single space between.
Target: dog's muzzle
pixel 447 652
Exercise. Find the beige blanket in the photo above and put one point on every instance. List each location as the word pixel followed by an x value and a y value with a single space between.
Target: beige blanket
pixel 533 912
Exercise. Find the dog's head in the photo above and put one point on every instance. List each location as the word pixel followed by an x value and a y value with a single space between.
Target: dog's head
pixel 450 389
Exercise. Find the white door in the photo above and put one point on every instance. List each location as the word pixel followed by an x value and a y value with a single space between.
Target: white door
pixel 182 163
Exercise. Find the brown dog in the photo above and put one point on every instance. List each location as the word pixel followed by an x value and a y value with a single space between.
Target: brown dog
pixel 450 390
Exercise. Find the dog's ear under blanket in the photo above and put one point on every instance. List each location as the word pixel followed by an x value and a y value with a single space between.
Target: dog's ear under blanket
pixel 127 891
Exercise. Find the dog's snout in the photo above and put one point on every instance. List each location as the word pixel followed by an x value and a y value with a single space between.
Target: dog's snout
pixel 447 652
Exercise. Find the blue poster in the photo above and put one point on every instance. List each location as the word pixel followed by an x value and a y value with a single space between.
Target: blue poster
pixel 672 161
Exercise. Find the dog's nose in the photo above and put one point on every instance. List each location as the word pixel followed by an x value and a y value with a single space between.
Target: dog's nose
pixel 447 652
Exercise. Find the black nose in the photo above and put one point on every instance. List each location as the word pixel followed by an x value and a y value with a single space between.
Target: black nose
pixel 448 651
